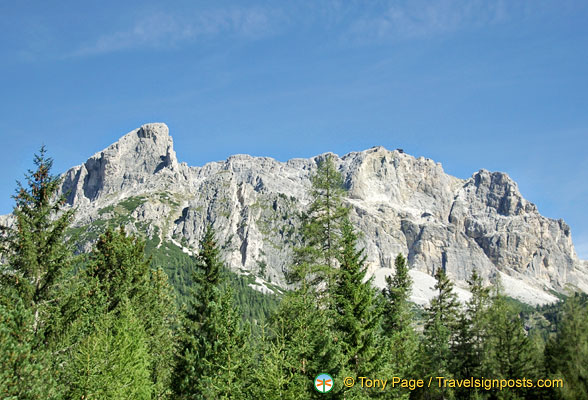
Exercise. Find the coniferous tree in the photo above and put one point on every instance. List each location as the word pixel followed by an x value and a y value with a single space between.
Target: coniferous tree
pixel 275 376
pixel 397 313
pixel 472 332
pixel 305 316
pixel 357 313
pixel 213 353
pixel 35 256
pixel 509 353
pixel 471 346
pixel 118 277
pixel 567 354
pixel 35 248
pixel 439 334
pixel 400 338
pixel 24 373
pixel 321 227
pixel 113 361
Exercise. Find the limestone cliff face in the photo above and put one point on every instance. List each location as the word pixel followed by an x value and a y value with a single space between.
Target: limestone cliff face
pixel 401 204
pixel 134 159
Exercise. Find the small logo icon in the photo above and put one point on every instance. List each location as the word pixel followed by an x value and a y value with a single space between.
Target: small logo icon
pixel 323 383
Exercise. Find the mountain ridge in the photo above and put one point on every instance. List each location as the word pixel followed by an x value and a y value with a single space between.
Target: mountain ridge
pixel 398 202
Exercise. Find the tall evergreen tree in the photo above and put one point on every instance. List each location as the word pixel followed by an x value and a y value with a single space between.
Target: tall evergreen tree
pixel 24 373
pixel 35 248
pixel 397 313
pixel 357 313
pixel 567 353
pixel 471 347
pixel 321 227
pixel 400 339
pixel 439 333
pixel 303 332
pixel 213 352
pixel 35 257
pixel 305 316
pixel 113 361
pixel 118 277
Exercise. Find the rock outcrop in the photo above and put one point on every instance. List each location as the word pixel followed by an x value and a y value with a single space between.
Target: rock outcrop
pixel 399 203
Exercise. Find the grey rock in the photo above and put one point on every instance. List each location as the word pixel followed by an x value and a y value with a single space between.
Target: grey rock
pixel 401 204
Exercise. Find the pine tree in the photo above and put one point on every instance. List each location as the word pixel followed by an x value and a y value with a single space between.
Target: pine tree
pixel 35 248
pixel 118 277
pixel 400 338
pixel 213 350
pixel 439 333
pixel 471 346
pixel 321 227
pixel 308 342
pixel 275 376
pixel 396 293
pixel 567 354
pixel 24 373
pixel 357 313
pixel 509 352
pixel 35 258
pixel 113 361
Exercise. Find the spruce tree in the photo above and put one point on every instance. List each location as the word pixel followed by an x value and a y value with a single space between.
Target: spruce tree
pixel 213 351
pixel 471 347
pixel 113 361
pixel 118 277
pixel 35 250
pixel 400 339
pixel 397 313
pixel 567 354
pixel 508 352
pixel 24 373
pixel 439 333
pixel 275 376
pixel 357 313
pixel 35 258
pixel 321 227
pixel 303 331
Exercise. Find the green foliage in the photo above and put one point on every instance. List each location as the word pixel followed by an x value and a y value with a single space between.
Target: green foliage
pixel 36 258
pixel 35 249
pixel 24 372
pixel 117 281
pixel 400 349
pixel 509 353
pixel 321 227
pixel 212 358
pixel 302 346
pixel 113 361
pixel 439 332
pixel 567 354
pixel 357 314
pixel 472 330
pixel 396 293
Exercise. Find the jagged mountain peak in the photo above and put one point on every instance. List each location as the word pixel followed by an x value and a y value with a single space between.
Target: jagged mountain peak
pixel 399 203
pixel 130 161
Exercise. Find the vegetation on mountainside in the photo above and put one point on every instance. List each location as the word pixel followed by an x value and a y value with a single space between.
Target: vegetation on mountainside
pixel 139 318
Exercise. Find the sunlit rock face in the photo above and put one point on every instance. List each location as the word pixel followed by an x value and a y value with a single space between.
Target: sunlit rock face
pixel 399 203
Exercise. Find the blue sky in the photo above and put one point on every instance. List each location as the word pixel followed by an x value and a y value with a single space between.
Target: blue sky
pixel 501 85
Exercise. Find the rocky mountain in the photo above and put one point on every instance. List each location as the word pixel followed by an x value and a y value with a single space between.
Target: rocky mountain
pixel 401 204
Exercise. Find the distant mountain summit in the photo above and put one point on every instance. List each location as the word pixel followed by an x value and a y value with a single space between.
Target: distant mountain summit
pixel 400 203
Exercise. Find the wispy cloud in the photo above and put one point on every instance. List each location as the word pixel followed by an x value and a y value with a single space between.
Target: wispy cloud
pixel 163 30
pixel 420 18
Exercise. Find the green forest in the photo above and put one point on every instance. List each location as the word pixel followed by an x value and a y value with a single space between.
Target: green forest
pixel 129 320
